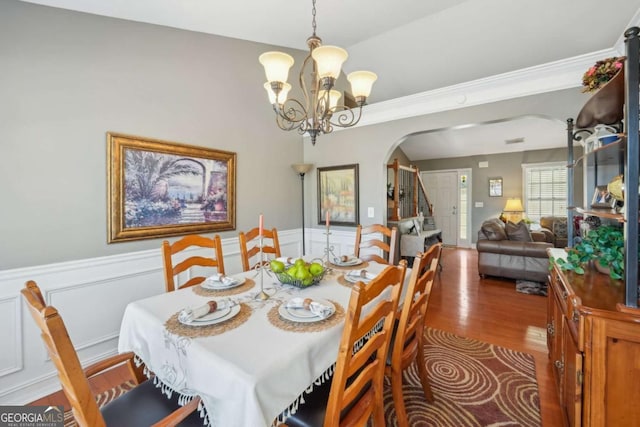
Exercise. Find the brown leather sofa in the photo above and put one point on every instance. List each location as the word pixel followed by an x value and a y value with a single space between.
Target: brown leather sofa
pixel 506 253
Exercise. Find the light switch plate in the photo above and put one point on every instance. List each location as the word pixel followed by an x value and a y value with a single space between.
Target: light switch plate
pixel 370 212
pixel 479 205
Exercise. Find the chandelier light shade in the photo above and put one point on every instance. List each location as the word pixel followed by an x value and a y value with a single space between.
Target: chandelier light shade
pixel 319 111
pixel 329 60
pixel 361 83
pixel 276 65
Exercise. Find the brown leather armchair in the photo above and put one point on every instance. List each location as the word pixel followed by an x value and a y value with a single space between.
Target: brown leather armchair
pixel 555 228
pixel 514 258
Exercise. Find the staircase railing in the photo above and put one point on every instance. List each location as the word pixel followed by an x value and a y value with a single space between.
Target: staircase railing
pixel 406 194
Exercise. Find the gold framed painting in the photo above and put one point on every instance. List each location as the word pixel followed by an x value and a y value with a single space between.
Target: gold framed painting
pixel 158 188
pixel 338 195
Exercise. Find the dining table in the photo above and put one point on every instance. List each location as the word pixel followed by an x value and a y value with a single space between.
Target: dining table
pixel 253 365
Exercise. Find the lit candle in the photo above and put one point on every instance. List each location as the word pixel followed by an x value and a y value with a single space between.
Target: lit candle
pixel 261 225
pixel 327 220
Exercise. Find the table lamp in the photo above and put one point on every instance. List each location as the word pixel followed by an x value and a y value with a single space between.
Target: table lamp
pixel 302 169
pixel 513 210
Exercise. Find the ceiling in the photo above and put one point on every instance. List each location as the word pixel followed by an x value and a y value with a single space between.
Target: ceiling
pixel 413 45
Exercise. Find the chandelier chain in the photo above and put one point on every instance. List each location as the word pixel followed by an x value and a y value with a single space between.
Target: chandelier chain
pixel 313 13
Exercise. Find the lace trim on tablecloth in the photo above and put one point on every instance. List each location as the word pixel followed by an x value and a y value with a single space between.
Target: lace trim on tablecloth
pixel 184 396
pixel 293 407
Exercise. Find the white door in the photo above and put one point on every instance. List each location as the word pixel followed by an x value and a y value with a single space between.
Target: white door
pixel 442 190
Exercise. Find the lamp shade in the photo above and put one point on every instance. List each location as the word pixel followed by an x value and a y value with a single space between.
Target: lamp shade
pixel 282 96
pixel 361 82
pixel 302 167
pixel 329 60
pixel 276 66
pixel 513 205
pixel 334 97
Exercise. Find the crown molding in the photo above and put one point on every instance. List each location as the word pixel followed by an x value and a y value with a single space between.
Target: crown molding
pixel 553 76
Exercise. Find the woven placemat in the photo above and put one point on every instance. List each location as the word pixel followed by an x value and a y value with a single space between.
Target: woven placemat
pixel 349 267
pixel 177 328
pixel 287 325
pixel 344 282
pixel 199 290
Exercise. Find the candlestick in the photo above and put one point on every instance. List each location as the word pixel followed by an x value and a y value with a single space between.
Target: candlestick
pixel 328 250
pixel 327 219
pixel 262 295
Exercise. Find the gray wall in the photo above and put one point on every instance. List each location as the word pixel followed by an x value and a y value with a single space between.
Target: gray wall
pixel 67 78
pixel 505 165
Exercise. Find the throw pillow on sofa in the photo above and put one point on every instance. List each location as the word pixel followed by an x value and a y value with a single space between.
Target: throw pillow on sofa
pixel 560 229
pixel 493 230
pixel 518 232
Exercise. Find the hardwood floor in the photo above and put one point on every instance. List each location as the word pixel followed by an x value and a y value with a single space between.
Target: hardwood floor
pixel 488 310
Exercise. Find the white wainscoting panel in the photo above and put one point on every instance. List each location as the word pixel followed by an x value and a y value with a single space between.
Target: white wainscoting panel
pixel 10 335
pixel 91 296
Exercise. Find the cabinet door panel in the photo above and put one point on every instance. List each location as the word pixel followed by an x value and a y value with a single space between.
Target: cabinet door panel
pixel 571 379
pixel 613 387
pixel 554 335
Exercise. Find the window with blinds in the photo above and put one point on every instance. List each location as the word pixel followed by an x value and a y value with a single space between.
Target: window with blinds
pixel 545 189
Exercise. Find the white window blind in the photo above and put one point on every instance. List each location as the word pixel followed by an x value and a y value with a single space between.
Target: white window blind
pixel 545 189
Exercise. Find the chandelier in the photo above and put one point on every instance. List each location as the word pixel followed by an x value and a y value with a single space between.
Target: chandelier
pixel 320 111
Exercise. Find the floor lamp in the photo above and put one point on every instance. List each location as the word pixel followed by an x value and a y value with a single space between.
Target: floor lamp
pixel 302 169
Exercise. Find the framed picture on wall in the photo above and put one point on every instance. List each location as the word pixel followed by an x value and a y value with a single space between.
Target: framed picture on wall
pixel 338 195
pixel 495 187
pixel 159 189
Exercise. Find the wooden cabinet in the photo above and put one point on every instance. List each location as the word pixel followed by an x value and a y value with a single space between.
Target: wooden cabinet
pixel 594 347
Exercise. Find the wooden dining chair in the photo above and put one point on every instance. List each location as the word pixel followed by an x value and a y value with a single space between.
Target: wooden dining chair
pixel 363 241
pixel 173 267
pixel 407 344
pixel 144 405
pixel 270 243
pixel 354 394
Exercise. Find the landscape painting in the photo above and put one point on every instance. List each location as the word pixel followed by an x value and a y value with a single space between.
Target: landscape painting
pixel 338 195
pixel 158 188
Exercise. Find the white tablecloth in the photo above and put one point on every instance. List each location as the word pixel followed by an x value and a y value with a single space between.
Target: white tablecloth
pixel 246 376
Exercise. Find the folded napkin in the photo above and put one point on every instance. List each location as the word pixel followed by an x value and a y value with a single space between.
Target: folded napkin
pixel 225 280
pixel 342 259
pixel 190 314
pixel 361 274
pixel 319 309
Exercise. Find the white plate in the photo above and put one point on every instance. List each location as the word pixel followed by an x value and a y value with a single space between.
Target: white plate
pixel 216 286
pixel 349 263
pixel 356 279
pixel 304 316
pixel 229 313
